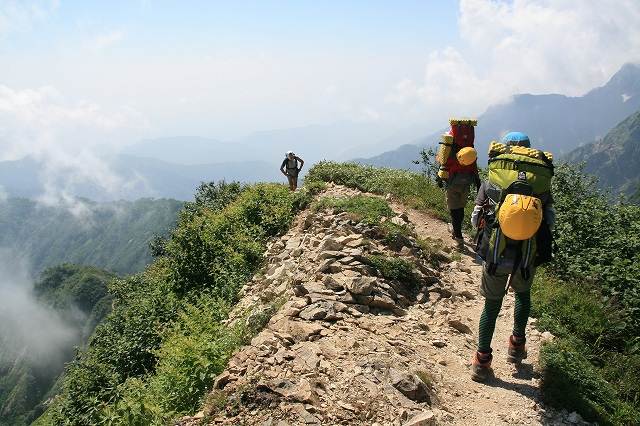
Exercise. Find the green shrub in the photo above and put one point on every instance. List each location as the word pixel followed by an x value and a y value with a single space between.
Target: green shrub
pixel 219 250
pixel 195 350
pixel 598 239
pixel 364 208
pixel 159 350
pixel 395 268
pixel 597 333
pixel 412 189
pixel 570 308
pixel 569 381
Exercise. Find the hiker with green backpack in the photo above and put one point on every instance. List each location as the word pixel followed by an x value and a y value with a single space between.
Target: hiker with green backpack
pixel 514 211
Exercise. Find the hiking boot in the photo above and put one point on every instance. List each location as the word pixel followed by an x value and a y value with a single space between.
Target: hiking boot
pixel 459 242
pixel 480 368
pixel 517 350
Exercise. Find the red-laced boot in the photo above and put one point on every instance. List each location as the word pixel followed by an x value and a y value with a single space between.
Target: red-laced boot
pixel 517 350
pixel 481 366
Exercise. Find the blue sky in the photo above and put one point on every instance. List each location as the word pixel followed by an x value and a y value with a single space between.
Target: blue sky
pixel 78 73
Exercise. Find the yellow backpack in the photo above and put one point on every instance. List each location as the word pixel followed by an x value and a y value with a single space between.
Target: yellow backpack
pixel 521 174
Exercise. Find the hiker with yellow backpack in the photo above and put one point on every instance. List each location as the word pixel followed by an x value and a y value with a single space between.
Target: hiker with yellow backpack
pixel 458 170
pixel 514 210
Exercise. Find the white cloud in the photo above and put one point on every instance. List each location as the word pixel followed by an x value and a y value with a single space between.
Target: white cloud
pixel 525 46
pixel 21 15
pixel 105 40
pixel 26 322
pixel 42 123
pixel 42 120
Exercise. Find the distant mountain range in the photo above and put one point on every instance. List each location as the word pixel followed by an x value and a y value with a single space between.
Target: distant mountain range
pixel 144 177
pixel 339 141
pixel 174 167
pixel 555 123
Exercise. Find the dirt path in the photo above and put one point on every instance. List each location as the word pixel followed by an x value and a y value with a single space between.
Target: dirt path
pixel 324 362
pixel 512 395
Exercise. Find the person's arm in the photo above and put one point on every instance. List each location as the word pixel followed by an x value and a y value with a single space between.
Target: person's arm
pixel 282 168
pixel 301 163
pixel 477 209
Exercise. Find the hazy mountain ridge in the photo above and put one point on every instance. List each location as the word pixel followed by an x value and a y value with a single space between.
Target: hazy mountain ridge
pixel 114 235
pixel 140 177
pixel 173 167
pixel 555 123
pixel 615 159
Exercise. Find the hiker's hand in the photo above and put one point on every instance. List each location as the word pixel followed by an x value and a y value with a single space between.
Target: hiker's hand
pixel 475 216
pixel 439 182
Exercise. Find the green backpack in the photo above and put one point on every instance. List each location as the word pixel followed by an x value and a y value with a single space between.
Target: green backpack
pixel 526 172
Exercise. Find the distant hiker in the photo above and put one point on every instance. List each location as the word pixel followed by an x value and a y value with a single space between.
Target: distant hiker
pixel 514 209
pixel 458 170
pixel 290 168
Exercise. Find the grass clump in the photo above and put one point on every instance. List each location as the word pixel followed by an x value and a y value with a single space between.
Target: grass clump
pixel 412 189
pixel 394 268
pixel 363 208
pixel 589 368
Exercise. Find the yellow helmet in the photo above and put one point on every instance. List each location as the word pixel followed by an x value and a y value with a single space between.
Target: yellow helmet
pixel 520 216
pixel 466 156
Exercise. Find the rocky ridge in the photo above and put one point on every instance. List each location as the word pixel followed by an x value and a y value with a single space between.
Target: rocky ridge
pixel 349 347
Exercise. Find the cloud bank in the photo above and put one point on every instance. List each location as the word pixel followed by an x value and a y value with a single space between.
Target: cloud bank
pixel 519 46
pixel 112 76
pixel 32 329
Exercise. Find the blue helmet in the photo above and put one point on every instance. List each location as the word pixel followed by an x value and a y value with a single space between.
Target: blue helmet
pixel 516 138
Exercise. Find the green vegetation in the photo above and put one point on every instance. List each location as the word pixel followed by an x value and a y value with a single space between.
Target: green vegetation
pixel 395 268
pixel 158 352
pixel 588 297
pixel 113 236
pixel 412 189
pixel 155 356
pixel 363 208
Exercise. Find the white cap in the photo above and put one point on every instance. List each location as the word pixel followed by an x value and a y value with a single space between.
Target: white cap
pixel 288 152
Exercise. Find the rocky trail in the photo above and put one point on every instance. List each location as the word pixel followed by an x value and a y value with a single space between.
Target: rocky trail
pixel 348 347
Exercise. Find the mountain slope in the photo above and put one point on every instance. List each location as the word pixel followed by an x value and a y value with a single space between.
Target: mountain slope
pixel 352 347
pixel 615 159
pixel 113 236
pixel 349 268
pixel 555 123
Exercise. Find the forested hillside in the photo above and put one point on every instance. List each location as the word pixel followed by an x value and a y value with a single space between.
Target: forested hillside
pixel 41 331
pixel 615 159
pixel 167 339
pixel 114 235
